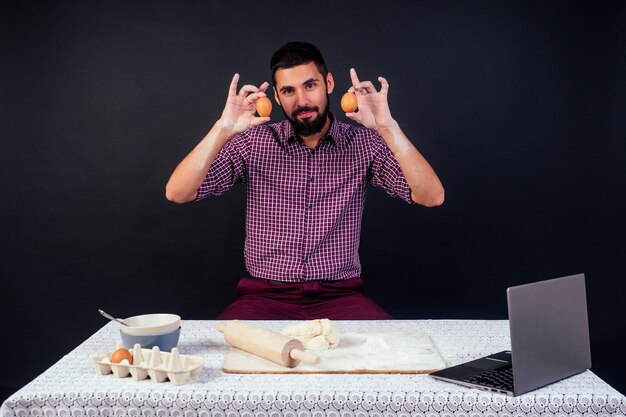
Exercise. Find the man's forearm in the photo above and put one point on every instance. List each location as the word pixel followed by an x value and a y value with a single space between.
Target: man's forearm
pixel 183 185
pixel 426 188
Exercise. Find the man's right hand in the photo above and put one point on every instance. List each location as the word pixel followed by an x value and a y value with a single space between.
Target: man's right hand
pixel 239 112
pixel 238 116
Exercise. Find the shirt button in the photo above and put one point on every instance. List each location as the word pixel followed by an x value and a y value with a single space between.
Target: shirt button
pixel 308 233
pixel 311 179
pixel 310 205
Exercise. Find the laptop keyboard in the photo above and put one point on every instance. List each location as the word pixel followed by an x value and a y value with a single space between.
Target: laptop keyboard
pixel 495 378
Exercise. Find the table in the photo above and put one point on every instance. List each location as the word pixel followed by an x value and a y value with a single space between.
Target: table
pixel 71 387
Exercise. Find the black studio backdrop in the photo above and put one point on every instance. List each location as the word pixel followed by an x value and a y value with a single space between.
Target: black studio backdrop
pixel 519 106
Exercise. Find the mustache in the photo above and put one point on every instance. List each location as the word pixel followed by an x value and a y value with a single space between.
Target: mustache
pixel 304 109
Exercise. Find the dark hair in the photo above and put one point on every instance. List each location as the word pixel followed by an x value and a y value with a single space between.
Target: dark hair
pixel 293 54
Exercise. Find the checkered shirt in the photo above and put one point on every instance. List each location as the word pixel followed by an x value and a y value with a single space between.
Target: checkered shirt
pixel 304 206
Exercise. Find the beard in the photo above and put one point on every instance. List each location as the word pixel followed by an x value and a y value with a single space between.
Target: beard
pixel 311 125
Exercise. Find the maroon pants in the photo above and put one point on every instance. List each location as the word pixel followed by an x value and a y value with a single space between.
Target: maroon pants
pixel 262 299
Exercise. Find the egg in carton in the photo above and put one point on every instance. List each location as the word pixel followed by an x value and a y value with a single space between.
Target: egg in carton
pixel 155 364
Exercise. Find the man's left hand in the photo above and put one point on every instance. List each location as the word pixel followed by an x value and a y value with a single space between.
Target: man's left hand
pixel 373 108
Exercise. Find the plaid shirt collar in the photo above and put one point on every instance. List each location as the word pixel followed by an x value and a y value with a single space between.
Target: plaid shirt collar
pixel 286 135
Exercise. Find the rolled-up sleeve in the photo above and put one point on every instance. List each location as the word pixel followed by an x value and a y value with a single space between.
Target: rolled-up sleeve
pixel 228 168
pixel 385 171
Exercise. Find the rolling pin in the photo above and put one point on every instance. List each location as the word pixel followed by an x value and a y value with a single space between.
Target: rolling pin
pixel 270 345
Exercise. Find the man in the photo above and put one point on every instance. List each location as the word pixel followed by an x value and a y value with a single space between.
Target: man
pixel 306 180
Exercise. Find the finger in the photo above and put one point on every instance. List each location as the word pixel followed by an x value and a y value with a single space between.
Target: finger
pixel 365 87
pixel 259 121
pixel 246 90
pixel 354 77
pixel 355 116
pixel 255 96
pixel 264 86
pixel 232 89
pixel 384 85
pixel 351 90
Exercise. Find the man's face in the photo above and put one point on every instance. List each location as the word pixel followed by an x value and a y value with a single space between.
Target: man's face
pixel 302 93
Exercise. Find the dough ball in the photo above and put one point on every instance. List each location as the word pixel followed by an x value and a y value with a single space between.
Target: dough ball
pixel 320 334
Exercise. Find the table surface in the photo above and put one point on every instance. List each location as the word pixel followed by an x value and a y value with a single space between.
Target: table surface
pixel 71 387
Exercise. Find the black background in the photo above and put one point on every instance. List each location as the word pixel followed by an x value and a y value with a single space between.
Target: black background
pixel 519 106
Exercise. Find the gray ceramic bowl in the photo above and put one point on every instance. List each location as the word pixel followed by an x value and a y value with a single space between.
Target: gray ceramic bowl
pixel 165 341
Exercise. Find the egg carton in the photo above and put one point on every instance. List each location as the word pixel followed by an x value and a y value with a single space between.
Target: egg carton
pixel 158 366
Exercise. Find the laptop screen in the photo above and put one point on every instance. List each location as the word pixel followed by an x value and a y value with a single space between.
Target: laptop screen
pixel 549 331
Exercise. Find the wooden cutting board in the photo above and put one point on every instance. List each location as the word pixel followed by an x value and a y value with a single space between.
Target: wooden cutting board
pixel 408 353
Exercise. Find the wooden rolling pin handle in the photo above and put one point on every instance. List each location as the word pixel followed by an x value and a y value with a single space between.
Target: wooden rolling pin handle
pixel 306 357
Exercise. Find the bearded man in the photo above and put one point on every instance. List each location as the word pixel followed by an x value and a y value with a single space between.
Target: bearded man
pixel 306 180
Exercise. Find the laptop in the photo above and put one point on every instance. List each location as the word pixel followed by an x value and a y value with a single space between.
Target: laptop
pixel 549 340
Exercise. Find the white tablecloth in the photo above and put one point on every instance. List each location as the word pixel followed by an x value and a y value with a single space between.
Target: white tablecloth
pixel 71 387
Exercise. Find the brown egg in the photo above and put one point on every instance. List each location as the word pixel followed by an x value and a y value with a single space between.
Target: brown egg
pixel 349 102
pixel 263 106
pixel 121 354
